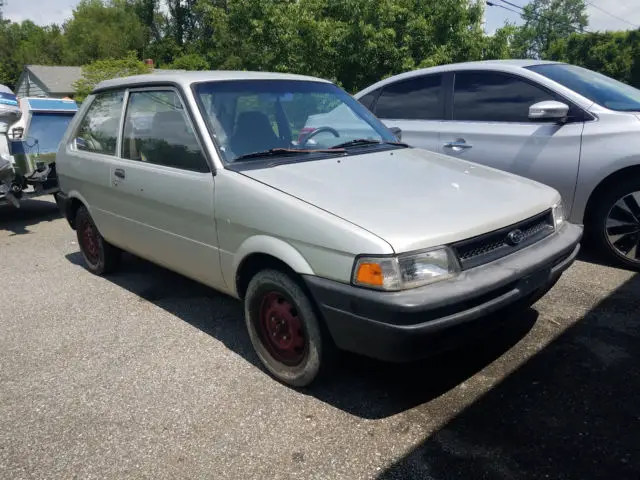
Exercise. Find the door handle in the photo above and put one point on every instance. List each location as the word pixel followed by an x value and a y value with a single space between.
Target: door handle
pixel 458 145
pixel 119 172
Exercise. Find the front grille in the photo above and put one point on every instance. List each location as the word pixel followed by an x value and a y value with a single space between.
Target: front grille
pixel 497 244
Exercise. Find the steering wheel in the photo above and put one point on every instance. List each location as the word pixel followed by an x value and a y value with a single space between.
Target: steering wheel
pixel 318 130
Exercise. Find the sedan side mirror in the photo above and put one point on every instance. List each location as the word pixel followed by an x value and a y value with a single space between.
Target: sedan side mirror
pixel 397 132
pixel 548 110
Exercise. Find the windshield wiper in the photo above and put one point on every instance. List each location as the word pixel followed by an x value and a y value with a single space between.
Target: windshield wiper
pixel 286 152
pixel 368 141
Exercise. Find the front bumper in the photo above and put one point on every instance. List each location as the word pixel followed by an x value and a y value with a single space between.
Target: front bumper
pixel 412 324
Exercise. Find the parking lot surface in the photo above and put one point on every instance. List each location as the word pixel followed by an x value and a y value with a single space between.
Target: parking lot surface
pixel 145 374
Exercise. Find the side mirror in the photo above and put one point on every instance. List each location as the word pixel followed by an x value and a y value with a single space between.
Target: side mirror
pixel 548 110
pixel 397 132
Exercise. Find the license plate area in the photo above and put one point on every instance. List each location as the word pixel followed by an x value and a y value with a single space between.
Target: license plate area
pixel 536 280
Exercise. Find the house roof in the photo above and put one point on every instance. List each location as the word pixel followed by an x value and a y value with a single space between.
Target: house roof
pixel 56 79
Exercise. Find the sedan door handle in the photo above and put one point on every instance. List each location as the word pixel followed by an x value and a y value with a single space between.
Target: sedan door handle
pixel 119 172
pixel 458 145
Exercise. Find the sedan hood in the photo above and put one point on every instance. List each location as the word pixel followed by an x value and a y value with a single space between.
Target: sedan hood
pixel 411 198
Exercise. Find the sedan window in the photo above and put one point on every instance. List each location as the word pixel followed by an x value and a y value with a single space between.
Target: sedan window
pixel 494 97
pixel 418 98
pixel 598 88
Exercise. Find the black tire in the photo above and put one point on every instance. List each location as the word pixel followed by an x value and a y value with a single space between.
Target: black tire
pixel 300 349
pixel 100 257
pixel 596 225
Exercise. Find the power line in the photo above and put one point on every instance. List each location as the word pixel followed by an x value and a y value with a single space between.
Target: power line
pixel 611 15
pixel 537 16
pixel 512 4
pixel 491 4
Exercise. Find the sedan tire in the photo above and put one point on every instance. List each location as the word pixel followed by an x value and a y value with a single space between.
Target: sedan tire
pixel 614 226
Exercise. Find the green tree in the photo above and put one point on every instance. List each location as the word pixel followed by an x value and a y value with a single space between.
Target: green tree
pixel 354 42
pixel 26 43
pixel 107 69
pixel 616 54
pixel 546 21
pixel 102 29
pixel 191 61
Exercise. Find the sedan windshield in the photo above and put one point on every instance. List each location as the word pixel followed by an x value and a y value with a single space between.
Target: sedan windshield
pixel 598 88
pixel 252 119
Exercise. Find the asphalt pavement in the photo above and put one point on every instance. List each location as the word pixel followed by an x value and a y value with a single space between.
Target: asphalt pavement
pixel 145 374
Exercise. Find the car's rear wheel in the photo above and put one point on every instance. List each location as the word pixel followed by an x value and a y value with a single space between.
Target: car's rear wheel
pixel 285 330
pixel 614 226
pixel 100 256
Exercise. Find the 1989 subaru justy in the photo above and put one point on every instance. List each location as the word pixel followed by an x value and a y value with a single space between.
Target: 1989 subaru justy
pixel 337 237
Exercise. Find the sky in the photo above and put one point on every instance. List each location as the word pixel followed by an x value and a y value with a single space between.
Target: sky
pixel 602 13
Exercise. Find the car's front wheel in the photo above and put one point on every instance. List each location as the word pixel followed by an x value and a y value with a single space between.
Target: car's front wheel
pixel 614 226
pixel 285 330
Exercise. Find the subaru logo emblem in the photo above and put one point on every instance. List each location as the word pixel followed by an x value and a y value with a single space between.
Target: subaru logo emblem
pixel 515 237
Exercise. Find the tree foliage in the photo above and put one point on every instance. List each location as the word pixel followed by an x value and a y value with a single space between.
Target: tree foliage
pixel 616 54
pixel 100 70
pixel 352 42
pixel 546 21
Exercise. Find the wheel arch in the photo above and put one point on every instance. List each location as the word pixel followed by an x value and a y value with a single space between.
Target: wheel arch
pixel 72 205
pixel 260 252
pixel 605 184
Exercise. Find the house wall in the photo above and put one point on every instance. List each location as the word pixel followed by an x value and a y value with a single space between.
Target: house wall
pixel 29 86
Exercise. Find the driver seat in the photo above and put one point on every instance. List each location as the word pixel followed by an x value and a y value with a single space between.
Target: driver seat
pixel 253 133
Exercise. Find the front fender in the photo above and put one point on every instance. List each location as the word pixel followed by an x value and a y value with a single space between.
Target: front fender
pixel 268 245
pixel 591 176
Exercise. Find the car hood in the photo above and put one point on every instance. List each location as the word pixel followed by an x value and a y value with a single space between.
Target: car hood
pixel 409 197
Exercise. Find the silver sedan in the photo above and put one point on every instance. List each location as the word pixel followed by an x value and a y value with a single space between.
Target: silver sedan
pixel 571 128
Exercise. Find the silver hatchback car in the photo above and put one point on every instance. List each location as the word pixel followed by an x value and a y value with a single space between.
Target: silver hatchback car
pixel 568 127
pixel 339 238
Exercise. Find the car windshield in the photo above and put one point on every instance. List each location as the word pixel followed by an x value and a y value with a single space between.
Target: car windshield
pixel 289 118
pixel 603 90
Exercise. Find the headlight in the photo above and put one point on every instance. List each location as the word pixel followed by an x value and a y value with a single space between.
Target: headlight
pixel 402 272
pixel 558 214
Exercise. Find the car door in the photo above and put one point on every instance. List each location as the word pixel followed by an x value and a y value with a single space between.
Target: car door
pixel 163 187
pixel 88 157
pixel 415 105
pixel 490 125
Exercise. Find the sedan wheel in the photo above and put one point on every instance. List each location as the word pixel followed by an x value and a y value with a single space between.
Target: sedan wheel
pixel 623 227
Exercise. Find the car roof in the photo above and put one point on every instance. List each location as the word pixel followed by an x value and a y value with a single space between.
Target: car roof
pixel 186 78
pixel 502 65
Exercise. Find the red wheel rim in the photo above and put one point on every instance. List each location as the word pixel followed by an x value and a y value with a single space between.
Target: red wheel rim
pixel 90 243
pixel 281 330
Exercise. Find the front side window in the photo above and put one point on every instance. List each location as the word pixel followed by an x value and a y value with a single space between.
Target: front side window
pixel 418 98
pixel 286 118
pixel 157 130
pixel 598 88
pixel 494 97
pixel 98 131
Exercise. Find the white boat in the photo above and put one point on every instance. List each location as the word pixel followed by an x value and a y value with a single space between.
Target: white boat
pixel 30 131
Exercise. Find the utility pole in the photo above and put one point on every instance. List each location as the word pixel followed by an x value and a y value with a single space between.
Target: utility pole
pixel 483 22
pixel 1 6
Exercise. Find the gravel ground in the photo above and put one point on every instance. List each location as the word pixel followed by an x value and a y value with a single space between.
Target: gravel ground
pixel 147 375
